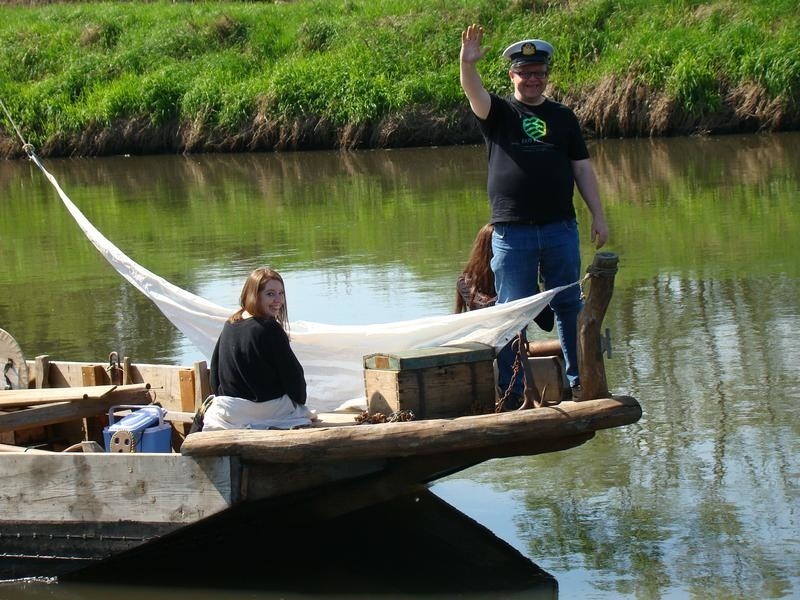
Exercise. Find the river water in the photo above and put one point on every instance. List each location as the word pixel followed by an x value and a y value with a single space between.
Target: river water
pixel 698 499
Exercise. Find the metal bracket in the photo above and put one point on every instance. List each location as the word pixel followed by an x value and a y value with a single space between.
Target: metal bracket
pixel 605 343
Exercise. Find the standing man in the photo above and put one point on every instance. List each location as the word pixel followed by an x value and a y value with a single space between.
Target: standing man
pixel 536 155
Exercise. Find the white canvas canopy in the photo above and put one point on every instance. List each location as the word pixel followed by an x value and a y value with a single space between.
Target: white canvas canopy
pixel 331 355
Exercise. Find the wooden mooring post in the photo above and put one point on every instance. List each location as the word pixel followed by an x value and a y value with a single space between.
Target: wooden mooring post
pixel 591 368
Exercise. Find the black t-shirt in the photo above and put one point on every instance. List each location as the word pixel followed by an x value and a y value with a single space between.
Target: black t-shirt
pixel 253 360
pixel 531 149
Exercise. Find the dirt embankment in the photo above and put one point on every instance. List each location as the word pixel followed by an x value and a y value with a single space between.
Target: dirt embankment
pixel 615 108
pixel 627 108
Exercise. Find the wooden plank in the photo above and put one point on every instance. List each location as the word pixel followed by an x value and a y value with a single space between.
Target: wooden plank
pixel 17 398
pixel 74 408
pixel 423 358
pixel 163 379
pixel 414 438
pixel 76 487
pixel 63 374
pixel 95 375
pixel 336 419
pixel 177 416
pixel 26 427
pixel 202 383
pixel 187 383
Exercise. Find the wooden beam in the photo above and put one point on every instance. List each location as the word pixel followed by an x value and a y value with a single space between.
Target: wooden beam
pixel 545 348
pixel 78 406
pixel 163 379
pixel 33 397
pixel 405 475
pixel 177 416
pixel 412 438
pixel 328 490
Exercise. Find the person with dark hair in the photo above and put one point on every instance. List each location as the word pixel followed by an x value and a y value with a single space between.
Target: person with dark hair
pixel 256 379
pixel 475 285
pixel 536 157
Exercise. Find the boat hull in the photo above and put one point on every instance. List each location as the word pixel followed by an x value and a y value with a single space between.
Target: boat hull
pixel 62 513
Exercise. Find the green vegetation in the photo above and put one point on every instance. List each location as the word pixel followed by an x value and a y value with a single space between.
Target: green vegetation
pixel 101 78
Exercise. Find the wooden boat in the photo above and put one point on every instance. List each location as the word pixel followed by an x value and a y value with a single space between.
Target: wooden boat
pixel 67 505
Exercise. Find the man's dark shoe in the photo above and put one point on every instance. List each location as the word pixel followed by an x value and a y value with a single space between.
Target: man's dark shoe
pixel 576 393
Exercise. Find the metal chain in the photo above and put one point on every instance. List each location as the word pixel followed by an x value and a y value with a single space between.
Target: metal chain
pixel 515 370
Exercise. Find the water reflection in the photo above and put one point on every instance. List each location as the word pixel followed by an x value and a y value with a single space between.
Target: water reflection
pixel 698 498
pixel 635 169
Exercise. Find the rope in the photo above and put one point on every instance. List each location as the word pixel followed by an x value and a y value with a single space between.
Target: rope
pixel 594 271
pixel 28 148
pixel 581 281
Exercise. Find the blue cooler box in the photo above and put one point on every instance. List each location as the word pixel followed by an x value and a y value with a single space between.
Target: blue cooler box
pixel 143 430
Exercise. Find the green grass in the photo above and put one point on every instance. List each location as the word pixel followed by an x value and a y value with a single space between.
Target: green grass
pixel 218 68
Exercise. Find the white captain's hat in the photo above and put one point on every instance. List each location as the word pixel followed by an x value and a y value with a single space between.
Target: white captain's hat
pixel 529 51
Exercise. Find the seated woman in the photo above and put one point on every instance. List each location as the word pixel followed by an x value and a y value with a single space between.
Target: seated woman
pixel 475 285
pixel 256 380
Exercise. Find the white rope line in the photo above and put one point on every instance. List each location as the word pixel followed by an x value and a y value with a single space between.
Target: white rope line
pixel 14 125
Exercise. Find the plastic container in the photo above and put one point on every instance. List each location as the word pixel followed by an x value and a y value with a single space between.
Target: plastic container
pixel 143 430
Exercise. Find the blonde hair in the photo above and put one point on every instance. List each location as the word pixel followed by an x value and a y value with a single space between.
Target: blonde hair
pixel 249 298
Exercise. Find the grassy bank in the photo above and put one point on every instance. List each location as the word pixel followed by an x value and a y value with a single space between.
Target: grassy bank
pixel 105 78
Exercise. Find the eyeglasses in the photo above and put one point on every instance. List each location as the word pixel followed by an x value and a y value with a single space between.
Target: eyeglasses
pixel 528 74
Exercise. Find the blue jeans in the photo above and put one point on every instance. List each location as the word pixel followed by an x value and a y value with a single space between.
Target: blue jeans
pixel 521 255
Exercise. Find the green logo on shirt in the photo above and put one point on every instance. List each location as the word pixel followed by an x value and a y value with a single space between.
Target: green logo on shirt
pixel 534 127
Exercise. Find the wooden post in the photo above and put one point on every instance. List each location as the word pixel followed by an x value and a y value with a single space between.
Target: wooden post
pixel 42 371
pixel 591 369
pixel 94 375
pixel 202 389
pixel 127 376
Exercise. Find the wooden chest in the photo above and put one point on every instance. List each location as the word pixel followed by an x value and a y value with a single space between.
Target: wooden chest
pixel 433 383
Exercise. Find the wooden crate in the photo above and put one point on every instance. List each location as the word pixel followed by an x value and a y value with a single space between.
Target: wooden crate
pixel 433 383
pixel 550 379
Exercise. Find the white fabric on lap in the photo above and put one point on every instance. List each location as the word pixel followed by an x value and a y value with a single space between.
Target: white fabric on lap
pixel 228 412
